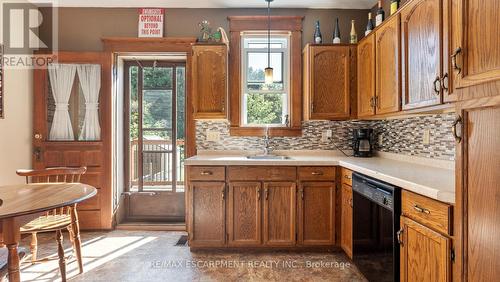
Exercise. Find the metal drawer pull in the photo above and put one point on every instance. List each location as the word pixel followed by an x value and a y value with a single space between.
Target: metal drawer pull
pixel 347 176
pixel 419 209
pixel 206 172
pixel 399 235
pixel 317 173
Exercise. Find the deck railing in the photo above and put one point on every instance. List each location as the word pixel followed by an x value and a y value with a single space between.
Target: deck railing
pixel 157 163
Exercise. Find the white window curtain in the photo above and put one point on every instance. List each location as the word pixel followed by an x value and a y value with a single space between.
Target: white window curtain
pixel 90 81
pixel 61 80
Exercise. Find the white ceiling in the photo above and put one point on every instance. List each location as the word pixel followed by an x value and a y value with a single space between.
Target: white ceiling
pixel 312 4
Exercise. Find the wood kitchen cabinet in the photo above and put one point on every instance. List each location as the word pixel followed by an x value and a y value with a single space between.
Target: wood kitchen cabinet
pixel 387 58
pixel 327 81
pixel 474 52
pixel 366 76
pixel 346 220
pixel 422 47
pixel 244 214
pixel 207 217
pixel 424 253
pixel 209 81
pixel 317 213
pixel 279 213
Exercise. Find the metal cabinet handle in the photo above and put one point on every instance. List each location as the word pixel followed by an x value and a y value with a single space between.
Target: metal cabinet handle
pixel 223 193
pixel 457 137
pixel 420 209
pixel 317 173
pixel 302 193
pixel 437 85
pixel 454 59
pixel 444 85
pixel 206 172
pixel 372 102
pixel 377 103
pixel 350 202
pixel 258 194
pixel 399 235
pixel 266 192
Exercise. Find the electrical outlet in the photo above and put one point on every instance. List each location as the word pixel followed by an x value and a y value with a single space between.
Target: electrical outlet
pixel 213 136
pixel 380 140
pixel 324 136
pixel 426 138
pixel 329 133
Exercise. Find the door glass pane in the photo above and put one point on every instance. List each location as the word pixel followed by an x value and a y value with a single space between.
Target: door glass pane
pixel 181 131
pixel 133 128
pixel 257 63
pixel 157 78
pixel 265 108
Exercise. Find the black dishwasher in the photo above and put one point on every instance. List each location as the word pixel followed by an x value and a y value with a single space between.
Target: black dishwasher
pixel 376 212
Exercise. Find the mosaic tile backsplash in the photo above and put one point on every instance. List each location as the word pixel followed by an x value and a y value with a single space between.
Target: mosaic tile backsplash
pixel 400 136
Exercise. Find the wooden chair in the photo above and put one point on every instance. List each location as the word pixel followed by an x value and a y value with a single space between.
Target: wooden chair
pixel 58 219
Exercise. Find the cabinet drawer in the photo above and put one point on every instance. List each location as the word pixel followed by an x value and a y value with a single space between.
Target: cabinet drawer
pixel 261 173
pixel 317 173
pixel 206 173
pixel 434 214
pixel 347 176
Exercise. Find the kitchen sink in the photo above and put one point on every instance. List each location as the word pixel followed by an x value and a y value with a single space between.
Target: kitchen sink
pixel 268 157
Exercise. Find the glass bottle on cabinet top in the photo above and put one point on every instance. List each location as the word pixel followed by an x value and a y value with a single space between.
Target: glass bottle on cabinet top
pixel 336 32
pixel 353 38
pixel 318 39
pixel 369 25
pixel 394 6
pixel 380 16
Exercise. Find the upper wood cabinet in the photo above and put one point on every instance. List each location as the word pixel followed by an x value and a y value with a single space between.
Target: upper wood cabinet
pixel 366 76
pixel 388 80
pixel 475 37
pixel 421 22
pixel 207 217
pixel 244 214
pixel 317 213
pixel 209 80
pixel 424 253
pixel 327 82
pixel 279 213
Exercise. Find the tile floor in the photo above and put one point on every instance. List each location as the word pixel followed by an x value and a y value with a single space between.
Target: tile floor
pixel 152 256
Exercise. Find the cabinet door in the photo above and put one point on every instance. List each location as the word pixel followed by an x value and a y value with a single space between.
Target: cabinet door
pixel 421 53
pixel 366 76
pixel 209 78
pixel 317 213
pixel 475 40
pixel 207 214
pixel 244 214
pixel 425 254
pixel 279 213
pixel 478 190
pixel 329 82
pixel 346 220
pixel 388 80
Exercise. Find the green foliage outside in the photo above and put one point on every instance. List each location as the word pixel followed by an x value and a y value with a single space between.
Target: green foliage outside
pixel 263 108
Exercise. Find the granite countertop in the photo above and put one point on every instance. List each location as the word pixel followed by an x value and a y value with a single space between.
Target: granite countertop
pixel 432 178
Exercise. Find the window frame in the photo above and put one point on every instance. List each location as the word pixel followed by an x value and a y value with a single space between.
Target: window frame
pixel 238 25
pixel 285 74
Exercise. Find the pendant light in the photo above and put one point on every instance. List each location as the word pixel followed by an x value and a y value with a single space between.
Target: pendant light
pixel 269 70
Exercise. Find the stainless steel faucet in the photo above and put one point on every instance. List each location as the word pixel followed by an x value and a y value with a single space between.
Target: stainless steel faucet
pixel 267 148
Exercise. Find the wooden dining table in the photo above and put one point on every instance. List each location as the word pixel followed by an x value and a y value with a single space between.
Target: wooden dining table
pixel 19 204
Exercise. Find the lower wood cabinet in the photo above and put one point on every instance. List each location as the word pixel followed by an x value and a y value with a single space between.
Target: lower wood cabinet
pixel 207 213
pixel 317 213
pixel 279 213
pixel 346 219
pixel 425 254
pixel 244 214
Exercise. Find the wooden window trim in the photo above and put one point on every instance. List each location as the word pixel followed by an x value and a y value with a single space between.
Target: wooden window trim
pixel 292 24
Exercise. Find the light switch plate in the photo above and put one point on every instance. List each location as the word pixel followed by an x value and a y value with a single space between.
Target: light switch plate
pixel 426 137
pixel 213 136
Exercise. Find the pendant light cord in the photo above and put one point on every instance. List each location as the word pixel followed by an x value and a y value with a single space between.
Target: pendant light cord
pixel 268 33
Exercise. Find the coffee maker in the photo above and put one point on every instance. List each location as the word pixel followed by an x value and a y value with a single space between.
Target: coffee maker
pixel 362 142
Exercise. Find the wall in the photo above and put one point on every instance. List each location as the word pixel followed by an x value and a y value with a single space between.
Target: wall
pixel 399 136
pixel 16 127
pixel 81 29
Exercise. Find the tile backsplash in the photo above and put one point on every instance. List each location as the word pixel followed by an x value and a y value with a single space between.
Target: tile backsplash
pixel 401 136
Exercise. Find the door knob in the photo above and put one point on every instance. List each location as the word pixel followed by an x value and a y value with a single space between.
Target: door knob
pixel 38 136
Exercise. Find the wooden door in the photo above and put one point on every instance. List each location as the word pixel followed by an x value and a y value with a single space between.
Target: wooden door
pixel 328 87
pixel 366 76
pixel 425 254
pixel 317 213
pixel 346 220
pixel 388 80
pixel 244 214
pixel 207 214
pixel 279 213
pixel 475 37
pixel 95 213
pixel 209 78
pixel 421 53
pixel 477 209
